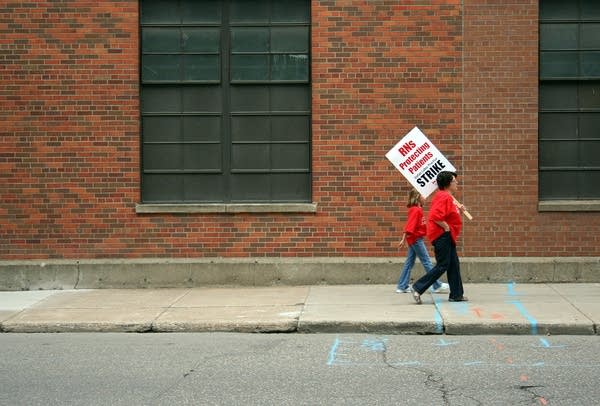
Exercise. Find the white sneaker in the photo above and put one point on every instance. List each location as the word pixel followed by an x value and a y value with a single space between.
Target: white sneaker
pixel 407 290
pixel 444 288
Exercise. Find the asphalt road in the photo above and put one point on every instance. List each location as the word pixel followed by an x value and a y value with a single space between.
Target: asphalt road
pixel 297 369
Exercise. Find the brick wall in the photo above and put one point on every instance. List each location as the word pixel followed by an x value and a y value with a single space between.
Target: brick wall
pixel 500 140
pixel 464 71
pixel 70 128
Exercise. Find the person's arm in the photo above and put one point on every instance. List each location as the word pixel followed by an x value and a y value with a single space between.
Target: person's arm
pixel 403 239
pixel 438 214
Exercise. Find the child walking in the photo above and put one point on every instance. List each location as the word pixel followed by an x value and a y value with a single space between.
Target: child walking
pixel 414 231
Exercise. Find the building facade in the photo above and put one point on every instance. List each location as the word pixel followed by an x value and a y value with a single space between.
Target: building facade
pixel 249 129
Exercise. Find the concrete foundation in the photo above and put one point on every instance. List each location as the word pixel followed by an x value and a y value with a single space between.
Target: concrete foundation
pixel 170 273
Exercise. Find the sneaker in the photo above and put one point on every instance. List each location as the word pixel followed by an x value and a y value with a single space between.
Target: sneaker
pixel 417 297
pixel 407 290
pixel 444 288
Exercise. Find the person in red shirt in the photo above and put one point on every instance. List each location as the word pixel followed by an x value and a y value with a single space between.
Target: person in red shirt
pixel 414 232
pixel 443 228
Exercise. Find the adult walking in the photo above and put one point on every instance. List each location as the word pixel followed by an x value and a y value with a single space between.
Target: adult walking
pixel 443 228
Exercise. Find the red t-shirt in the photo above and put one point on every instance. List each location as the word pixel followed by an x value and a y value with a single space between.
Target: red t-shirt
pixel 415 227
pixel 443 209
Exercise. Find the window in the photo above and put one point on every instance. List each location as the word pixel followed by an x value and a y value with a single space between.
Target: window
pixel 569 117
pixel 225 101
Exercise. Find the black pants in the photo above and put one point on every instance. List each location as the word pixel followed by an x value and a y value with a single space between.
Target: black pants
pixel 446 261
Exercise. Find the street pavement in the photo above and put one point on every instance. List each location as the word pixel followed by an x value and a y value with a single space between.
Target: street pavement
pixel 510 308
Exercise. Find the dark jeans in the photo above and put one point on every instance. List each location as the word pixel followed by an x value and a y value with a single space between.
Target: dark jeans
pixel 446 261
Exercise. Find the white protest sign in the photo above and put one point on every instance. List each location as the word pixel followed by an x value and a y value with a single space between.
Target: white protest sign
pixel 419 161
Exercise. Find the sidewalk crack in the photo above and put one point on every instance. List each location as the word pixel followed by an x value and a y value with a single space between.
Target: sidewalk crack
pixel 153 328
pixel 566 298
pixel 303 309
pixel 78 275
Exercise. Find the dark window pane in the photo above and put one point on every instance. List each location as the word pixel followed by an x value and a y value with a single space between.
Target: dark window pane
pixel 249 98
pixel 289 67
pixel 162 156
pixel 250 128
pixel 558 64
pixel 589 152
pixel 249 10
pixel 206 11
pixel 201 67
pixel 161 39
pixel 161 67
pixel 161 129
pixel 558 36
pixel 558 153
pixel 246 187
pixel 203 187
pixel 291 128
pixel 250 156
pixel 297 11
pixel 201 128
pixel 202 156
pixel 290 156
pixel 590 36
pixel 558 96
pixel 249 67
pixel 590 64
pixel 162 188
pixel 201 99
pixel 589 95
pixel 558 126
pixel 558 10
pixel 589 125
pixel 558 184
pixel 201 40
pixel 159 11
pixel 289 39
pixel 165 99
pixel 291 187
pixel 250 39
pixel 589 181
pixel 290 98
pixel 590 9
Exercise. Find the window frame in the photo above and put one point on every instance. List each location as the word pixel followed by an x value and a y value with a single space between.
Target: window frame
pixel 579 175
pixel 303 189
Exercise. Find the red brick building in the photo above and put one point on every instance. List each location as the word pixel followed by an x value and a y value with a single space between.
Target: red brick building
pixel 74 183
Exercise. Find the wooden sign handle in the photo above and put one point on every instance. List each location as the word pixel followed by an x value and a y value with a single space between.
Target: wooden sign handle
pixel 465 212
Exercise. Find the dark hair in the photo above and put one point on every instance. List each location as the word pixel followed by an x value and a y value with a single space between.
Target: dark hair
pixel 444 179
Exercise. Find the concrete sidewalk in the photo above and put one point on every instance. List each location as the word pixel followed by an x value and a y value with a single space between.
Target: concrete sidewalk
pixel 492 309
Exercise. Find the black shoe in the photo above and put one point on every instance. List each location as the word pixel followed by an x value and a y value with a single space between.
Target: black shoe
pixel 459 299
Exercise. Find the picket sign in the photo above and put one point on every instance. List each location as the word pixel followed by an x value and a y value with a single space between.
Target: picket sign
pixel 419 161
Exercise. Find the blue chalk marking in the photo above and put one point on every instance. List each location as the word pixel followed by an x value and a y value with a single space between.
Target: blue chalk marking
pixel 473 363
pixel 444 343
pixel 525 314
pixel 460 307
pixel 546 344
pixel 539 364
pixel 511 289
pixel 439 321
pixel 376 344
pixel 333 351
